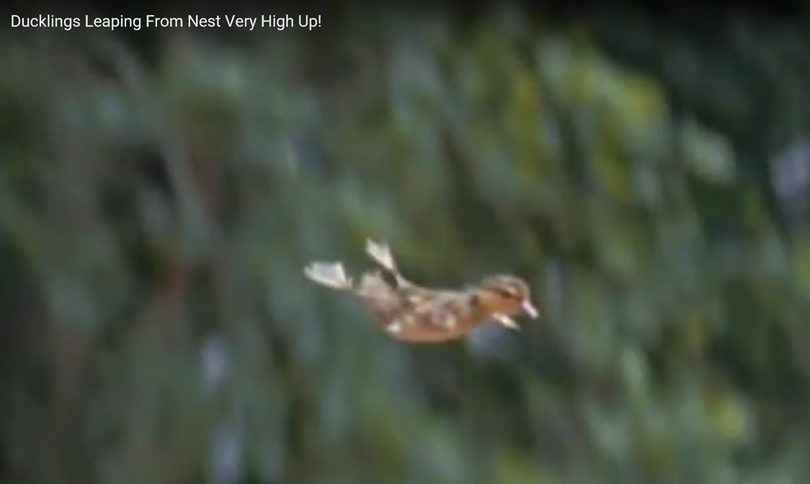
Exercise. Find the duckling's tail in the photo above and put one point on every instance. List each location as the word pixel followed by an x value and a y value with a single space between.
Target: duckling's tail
pixel 330 274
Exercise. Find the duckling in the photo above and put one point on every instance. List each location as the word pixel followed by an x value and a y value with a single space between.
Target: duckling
pixel 412 313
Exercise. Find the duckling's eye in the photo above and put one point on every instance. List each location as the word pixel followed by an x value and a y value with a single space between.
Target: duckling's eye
pixel 507 292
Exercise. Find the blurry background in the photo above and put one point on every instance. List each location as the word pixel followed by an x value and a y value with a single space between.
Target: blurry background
pixel 161 193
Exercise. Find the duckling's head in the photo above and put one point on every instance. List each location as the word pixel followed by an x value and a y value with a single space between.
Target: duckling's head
pixel 504 296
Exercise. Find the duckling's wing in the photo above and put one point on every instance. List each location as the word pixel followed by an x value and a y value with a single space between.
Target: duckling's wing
pixel 439 308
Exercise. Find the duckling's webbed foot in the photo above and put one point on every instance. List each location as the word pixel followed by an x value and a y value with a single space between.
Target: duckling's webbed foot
pixel 330 274
pixel 381 254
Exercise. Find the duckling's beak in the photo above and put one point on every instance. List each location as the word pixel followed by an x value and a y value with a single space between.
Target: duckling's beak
pixel 529 308
pixel 506 321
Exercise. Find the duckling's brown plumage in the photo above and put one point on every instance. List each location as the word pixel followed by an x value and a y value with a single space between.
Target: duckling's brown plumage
pixel 412 313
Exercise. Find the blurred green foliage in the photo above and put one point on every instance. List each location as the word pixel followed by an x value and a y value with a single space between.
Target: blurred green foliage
pixel 154 221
